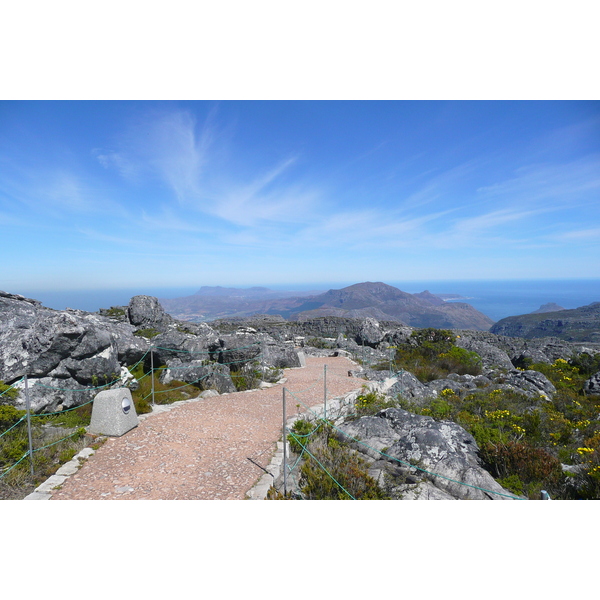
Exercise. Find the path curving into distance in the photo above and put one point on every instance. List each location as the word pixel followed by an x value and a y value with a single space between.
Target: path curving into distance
pixel 199 450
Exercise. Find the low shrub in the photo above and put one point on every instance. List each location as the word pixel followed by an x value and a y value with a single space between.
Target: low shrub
pixel 148 333
pixel 431 354
pixel 164 393
pixel 534 467
pixel 9 415
pixel 8 392
pixel 371 403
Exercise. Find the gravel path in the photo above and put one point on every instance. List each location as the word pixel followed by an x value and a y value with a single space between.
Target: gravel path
pixel 199 450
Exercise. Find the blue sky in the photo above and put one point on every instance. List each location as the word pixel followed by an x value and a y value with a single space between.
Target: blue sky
pixel 117 194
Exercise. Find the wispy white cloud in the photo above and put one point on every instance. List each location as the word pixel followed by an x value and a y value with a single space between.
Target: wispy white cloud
pixel 583 235
pixel 167 146
pixel 480 224
pixel 101 236
pixel 439 185
pixel 110 159
pixel 194 164
pixel 168 221
pixel 257 204
pixel 565 184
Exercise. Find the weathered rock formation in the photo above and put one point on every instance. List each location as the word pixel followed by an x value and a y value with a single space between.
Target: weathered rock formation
pixel 416 457
pixel 575 325
pixel 592 385
pixel 68 355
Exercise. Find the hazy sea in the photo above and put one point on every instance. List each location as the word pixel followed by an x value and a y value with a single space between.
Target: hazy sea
pixel 496 299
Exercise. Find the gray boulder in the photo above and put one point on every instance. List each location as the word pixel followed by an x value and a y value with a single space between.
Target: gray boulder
pixel 410 388
pixel 238 349
pixel 370 333
pixel 460 385
pixel 592 385
pixel 203 376
pixel 61 351
pixel 279 355
pixel 146 312
pixel 530 383
pixel 398 334
pixel 235 349
pixel 177 344
pixel 49 394
pixel 491 356
pixel 435 459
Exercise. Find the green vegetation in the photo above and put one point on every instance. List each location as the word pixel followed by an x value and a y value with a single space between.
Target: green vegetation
pixel 247 376
pixel 8 392
pixel 524 441
pixel 321 343
pixel 147 333
pixel 104 380
pixel 49 452
pixel 332 470
pixel 9 415
pixel 164 393
pixel 72 417
pixel 431 354
pixel 371 403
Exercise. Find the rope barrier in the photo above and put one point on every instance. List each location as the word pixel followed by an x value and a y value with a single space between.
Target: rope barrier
pixel 324 469
pixel 7 471
pixel 14 385
pixel 56 442
pixel 13 426
pixel 89 389
pixel 293 434
pixel 401 461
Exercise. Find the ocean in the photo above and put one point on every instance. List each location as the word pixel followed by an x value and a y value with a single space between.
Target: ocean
pixel 496 299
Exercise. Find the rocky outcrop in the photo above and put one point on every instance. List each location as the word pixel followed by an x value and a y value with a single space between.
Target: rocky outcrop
pixel 416 457
pixel 520 351
pixel 548 307
pixel 146 312
pixel 406 385
pixel 201 375
pixel 592 385
pixel 370 333
pixel 531 383
pixel 575 325
pixel 68 355
pixel 491 356
pixel 61 351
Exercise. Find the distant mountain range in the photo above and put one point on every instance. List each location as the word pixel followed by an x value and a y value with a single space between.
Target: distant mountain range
pixel 378 300
pixel 574 325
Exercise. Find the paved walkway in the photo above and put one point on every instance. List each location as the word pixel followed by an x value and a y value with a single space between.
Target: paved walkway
pixel 200 449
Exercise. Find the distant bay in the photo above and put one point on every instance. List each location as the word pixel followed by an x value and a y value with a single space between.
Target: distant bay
pixel 496 299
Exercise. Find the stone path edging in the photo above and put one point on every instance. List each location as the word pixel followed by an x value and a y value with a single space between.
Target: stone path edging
pixel 257 492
